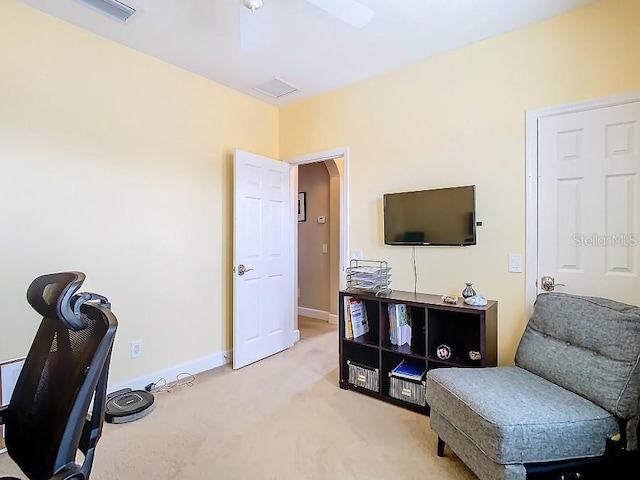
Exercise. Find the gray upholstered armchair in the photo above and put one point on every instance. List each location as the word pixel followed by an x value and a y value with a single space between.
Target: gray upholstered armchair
pixel 568 406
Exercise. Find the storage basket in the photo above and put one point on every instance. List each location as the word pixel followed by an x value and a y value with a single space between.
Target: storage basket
pixel 408 391
pixel 363 376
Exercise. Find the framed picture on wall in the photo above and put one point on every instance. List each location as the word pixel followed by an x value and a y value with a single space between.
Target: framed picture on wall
pixel 302 206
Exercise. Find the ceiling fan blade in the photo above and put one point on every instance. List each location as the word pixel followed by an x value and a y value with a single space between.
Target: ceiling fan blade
pixel 349 11
pixel 250 29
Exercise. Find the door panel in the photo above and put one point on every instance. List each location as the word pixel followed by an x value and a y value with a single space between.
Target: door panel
pixel 589 202
pixel 263 296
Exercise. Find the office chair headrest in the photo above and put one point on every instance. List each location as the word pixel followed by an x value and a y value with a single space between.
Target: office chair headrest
pixel 52 296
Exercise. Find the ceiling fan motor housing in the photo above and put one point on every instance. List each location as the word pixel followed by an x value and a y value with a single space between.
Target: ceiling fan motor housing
pixel 252 5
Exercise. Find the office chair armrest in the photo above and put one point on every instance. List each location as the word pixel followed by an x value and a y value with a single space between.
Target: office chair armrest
pixel 71 472
pixel 2 410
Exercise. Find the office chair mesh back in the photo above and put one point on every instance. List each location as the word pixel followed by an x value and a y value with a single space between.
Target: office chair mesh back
pixel 43 424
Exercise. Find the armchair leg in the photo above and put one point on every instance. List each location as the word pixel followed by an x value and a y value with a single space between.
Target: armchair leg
pixel 440 447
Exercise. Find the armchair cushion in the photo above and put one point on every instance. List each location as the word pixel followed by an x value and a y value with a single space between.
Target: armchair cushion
pixel 511 415
pixel 587 345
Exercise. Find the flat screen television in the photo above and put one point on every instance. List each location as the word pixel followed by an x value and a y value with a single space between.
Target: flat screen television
pixel 439 217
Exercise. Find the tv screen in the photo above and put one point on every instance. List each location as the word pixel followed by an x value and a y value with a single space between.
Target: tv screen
pixel 442 216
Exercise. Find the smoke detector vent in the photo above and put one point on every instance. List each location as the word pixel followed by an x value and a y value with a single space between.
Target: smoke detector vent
pixel 275 88
pixel 112 8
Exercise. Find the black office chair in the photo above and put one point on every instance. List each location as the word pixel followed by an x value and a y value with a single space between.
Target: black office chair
pixel 47 421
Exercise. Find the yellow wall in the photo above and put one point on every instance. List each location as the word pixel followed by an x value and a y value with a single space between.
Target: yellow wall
pixel 93 133
pixel 459 119
pixel 119 165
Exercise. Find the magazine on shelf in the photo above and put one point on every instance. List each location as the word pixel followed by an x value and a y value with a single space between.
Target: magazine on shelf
pixel 359 321
pixel 409 370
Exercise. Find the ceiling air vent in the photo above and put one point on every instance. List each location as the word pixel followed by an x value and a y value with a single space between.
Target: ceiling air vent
pixel 275 88
pixel 112 8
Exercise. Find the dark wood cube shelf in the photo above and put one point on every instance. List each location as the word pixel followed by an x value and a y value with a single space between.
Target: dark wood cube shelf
pixel 469 331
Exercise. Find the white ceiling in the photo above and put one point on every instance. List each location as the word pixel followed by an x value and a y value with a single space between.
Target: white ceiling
pixel 297 41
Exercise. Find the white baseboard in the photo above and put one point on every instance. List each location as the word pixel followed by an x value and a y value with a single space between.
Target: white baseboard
pixel 318 314
pixel 211 361
pixel 170 374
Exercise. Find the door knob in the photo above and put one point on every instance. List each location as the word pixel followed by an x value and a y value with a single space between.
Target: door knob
pixel 549 283
pixel 242 269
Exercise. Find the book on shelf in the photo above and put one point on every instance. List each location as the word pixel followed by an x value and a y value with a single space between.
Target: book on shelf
pixel 348 326
pixel 399 324
pixel 409 370
pixel 393 324
pixel 404 319
pixel 358 314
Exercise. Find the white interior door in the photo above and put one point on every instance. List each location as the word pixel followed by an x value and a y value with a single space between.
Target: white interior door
pixel 263 291
pixel 589 202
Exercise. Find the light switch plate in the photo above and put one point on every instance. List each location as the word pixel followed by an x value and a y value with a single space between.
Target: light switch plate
pixel 515 263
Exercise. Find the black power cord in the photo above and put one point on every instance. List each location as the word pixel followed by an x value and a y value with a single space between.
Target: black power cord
pixel 161 385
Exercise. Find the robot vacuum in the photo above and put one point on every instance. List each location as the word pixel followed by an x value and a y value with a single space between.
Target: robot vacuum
pixel 127 405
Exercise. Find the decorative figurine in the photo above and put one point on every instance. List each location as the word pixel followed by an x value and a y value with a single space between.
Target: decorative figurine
pixel 474 355
pixel 477 300
pixel 451 299
pixel 443 352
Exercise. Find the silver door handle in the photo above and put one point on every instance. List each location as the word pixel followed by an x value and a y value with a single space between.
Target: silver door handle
pixel 549 283
pixel 242 269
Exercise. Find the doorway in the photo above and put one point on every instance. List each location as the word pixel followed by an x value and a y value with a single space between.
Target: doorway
pixel 323 226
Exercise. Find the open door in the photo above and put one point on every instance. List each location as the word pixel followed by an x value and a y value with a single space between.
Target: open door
pixel 263 263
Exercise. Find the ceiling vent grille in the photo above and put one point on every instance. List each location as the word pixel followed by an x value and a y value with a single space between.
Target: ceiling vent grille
pixel 112 8
pixel 275 88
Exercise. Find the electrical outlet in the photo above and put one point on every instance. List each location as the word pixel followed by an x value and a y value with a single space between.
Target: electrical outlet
pixel 136 349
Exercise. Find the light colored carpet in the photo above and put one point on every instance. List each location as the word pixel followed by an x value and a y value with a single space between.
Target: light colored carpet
pixel 283 418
